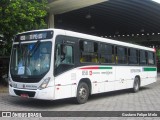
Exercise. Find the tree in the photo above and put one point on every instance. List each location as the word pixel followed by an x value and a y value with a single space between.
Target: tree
pixel 158 53
pixel 18 16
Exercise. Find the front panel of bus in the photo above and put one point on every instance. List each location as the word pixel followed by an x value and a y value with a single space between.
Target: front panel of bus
pixel 31 74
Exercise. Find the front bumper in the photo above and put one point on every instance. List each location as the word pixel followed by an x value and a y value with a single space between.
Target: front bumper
pixel 45 94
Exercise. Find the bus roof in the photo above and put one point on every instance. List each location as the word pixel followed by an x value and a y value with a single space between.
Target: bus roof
pixel 96 38
pixel 110 41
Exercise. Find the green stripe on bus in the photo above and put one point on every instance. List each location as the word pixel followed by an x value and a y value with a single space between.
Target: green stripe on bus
pixel 105 67
pixel 149 69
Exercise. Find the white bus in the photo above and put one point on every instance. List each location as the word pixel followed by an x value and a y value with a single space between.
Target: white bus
pixel 55 64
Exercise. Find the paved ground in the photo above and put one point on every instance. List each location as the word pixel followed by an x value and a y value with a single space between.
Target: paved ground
pixel 147 99
pixel 3 89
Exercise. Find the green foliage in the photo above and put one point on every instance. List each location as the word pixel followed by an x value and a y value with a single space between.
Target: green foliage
pixel 158 53
pixel 21 15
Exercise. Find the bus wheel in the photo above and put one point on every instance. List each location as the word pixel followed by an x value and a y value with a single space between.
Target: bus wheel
pixel 82 93
pixel 136 85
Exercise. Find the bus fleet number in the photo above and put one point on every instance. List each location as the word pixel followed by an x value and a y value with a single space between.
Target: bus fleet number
pixel 84 72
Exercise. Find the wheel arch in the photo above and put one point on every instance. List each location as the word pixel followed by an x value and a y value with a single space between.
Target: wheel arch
pixel 88 82
pixel 138 76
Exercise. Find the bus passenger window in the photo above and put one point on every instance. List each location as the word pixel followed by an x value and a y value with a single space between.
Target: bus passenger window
pixel 121 57
pixel 143 57
pixel 133 56
pixel 151 60
pixel 107 53
pixel 89 51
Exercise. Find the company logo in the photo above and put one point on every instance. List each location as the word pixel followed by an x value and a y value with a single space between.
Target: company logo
pixel 90 72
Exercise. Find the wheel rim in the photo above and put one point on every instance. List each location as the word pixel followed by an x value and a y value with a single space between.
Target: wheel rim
pixel 83 93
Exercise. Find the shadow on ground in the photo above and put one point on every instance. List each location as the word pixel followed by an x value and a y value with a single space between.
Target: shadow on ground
pixel 35 104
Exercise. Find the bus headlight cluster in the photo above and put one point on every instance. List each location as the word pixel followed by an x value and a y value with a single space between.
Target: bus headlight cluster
pixel 45 83
pixel 11 84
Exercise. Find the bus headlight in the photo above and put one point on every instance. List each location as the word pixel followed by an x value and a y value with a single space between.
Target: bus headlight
pixel 45 83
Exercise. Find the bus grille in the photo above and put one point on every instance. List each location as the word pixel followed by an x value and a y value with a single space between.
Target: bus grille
pixel 20 92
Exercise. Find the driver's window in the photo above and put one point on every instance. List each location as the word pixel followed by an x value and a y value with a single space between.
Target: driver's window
pixel 63 58
pixel 64 54
pixel 68 55
pixel 58 55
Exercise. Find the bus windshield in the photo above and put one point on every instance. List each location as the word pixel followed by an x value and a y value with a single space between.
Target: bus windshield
pixel 30 59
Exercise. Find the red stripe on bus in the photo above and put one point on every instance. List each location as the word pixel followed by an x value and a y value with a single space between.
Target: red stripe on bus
pixel 90 68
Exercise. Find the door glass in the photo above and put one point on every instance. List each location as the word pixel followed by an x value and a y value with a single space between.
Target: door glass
pixel 64 58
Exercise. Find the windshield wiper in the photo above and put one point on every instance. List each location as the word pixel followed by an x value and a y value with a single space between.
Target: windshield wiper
pixel 32 51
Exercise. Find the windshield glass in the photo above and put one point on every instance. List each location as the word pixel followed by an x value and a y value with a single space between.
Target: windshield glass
pixel 30 59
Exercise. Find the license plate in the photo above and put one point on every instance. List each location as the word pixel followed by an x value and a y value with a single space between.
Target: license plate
pixel 24 95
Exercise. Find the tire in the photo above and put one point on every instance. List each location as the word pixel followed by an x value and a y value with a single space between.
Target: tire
pixel 136 85
pixel 82 93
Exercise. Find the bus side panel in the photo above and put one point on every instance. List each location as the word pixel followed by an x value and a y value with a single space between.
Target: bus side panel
pixel 65 85
pixel 133 71
pixel 152 76
pixel 143 77
pixel 101 77
pixel 122 75
pixel 109 79
pixel 151 73
pixel 125 76
pixel 97 83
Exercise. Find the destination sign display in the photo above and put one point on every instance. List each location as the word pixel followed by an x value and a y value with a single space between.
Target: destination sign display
pixel 40 35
